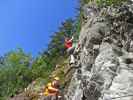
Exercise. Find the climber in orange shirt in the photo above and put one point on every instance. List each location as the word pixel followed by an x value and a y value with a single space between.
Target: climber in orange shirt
pixel 52 89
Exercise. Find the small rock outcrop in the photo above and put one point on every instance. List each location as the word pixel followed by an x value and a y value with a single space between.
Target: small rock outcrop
pixel 106 57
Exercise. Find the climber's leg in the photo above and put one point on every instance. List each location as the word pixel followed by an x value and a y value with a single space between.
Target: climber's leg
pixel 54 98
pixel 72 59
pixel 44 98
pixel 77 49
pixel 70 50
pixel 47 98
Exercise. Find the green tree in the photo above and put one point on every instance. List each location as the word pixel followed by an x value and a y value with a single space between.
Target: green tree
pixel 102 2
pixel 15 73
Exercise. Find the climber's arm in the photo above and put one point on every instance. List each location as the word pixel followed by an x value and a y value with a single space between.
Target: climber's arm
pixel 53 89
pixel 72 38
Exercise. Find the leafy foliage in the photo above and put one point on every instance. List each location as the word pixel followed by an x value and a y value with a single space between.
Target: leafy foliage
pixel 14 73
pixel 109 2
pixel 102 2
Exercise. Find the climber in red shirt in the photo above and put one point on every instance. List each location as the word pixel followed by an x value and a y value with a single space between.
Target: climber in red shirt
pixel 70 49
pixel 68 42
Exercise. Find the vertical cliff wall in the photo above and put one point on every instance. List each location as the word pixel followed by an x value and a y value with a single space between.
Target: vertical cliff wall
pixel 106 58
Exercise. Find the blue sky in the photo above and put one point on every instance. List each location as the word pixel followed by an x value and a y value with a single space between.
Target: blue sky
pixel 29 23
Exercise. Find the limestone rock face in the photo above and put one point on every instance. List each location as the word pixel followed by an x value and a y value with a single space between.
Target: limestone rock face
pixel 106 57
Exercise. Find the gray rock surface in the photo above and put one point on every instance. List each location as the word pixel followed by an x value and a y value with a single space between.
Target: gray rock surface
pixel 106 57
